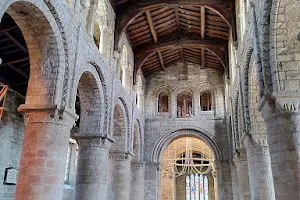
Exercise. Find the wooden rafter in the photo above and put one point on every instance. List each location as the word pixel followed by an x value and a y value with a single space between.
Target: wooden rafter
pixel 203 57
pixel 150 23
pixel 202 22
pixel 161 60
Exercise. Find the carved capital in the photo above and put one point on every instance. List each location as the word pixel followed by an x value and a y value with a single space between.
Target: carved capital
pixel 48 113
pixel 121 156
pixel 137 166
pixel 94 141
pixel 255 140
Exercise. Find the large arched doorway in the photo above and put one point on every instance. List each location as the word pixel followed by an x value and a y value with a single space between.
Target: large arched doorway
pixel 187 170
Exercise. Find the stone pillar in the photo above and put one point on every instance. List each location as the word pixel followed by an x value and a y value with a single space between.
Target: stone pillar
pixel 283 128
pixel 152 177
pixel 103 38
pixel 196 104
pixel 45 147
pixel 137 181
pixel 235 187
pixel 121 175
pixel 173 105
pixel 93 157
pixel 91 19
pixel 260 172
pixel 242 175
pixel 223 182
pixel 211 187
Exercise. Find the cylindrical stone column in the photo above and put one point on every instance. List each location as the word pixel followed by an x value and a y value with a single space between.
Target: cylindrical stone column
pixel 121 163
pixel 242 175
pixel 103 39
pixel 234 180
pixel 43 158
pixel 137 180
pixel 173 105
pixel 284 144
pixel 93 157
pixel 260 172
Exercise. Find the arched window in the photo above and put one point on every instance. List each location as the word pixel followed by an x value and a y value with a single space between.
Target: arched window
pixel 196 187
pixel 206 101
pixel 97 35
pixel 184 105
pixel 163 102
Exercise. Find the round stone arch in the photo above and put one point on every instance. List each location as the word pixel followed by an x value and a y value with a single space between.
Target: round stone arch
pixel 137 141
pixel 184 87
pixel 206 86
pixel 121 127
pixel 45 47
pixel 91 98
pixel 160 90
pixel 255 124
pixel 173 134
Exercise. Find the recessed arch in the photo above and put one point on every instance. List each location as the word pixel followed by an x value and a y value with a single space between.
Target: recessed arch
pixel 43 38
pixel 169 136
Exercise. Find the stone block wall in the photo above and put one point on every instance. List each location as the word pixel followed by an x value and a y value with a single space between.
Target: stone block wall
pixel 11 140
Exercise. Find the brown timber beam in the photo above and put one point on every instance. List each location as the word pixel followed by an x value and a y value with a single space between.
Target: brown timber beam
pixel 202 22
pixel 161 60
pixel 150 22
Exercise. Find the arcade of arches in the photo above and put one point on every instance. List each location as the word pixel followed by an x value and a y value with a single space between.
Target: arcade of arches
pixel 149 100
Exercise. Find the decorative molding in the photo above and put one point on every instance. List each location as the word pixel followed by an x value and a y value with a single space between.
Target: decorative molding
pixel 105 95
pixel 66 51
pixel 94 141
pixel 137 166
pixel 120 156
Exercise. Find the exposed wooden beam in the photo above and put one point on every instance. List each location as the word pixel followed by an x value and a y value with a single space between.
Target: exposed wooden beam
pixel 203 57
pixel 161 60
pixel 14 62
pixel 181 54
pixel 16 42
pixel 2 30
pixel 202 22
pixel 150 22
pixel 177 19
pixel 20 71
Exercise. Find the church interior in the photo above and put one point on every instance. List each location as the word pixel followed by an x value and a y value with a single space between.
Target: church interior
pixel 149 100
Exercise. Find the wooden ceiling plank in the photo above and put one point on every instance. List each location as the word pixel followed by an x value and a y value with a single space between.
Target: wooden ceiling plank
pixel 193 8
pixel 150 23
pixel 188 12
pixel 217 28
pixel 164 19
pixel 216 36
pixel 202 22
pixel 217 32
pixel 191 30
pixel 165 24
pixel 142 38
pixel 214 23
pixel 172 58
pixel 161 60
pixel 14 40
pixel 140 34
pixel 167 30
pixel 189 17
pixel 136 26
pixel 215 18
pixel 169 54
pixel 190 22
pixel 142 42
pixel 162 15
pixel 159 11
pixel 192 52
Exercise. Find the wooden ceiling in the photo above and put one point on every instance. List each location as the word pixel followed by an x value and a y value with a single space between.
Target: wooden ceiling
pixel 164 21
pixel 14 70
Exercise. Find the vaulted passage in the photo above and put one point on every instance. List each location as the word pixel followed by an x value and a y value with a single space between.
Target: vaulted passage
pixel 149 100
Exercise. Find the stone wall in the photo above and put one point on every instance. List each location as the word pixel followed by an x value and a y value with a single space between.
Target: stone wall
pixel 11 140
